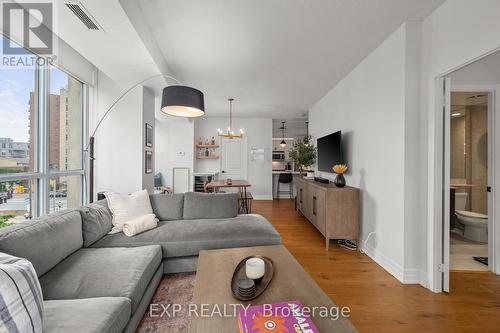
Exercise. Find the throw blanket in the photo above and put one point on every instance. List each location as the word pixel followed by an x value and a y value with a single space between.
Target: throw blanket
pixel 21 301
pixel 140 224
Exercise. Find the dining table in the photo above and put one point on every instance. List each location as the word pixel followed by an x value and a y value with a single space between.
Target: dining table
pixel 240 184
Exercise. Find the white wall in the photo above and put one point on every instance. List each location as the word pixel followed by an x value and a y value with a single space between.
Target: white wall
pixel 174 139
pixel 119 147
pixel 148 117
pixel 258 133
pixel 485 71
pixel 75 64
pixel 414 232
pixel 162 156
pixel 373 108
pixel 456 33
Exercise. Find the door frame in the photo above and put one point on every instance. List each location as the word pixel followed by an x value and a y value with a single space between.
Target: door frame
pixel 244 154
pixel 445 213
pixel 493 224
pixel 441 239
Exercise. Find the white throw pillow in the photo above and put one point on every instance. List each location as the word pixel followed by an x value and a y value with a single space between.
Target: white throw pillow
pixel 127 207
pixel 140 224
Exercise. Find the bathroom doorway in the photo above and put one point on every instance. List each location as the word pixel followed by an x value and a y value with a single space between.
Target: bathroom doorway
pixel 468 171
pixel 479 84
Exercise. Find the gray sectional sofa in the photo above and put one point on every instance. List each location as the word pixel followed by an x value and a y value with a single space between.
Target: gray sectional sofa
pixel 93 281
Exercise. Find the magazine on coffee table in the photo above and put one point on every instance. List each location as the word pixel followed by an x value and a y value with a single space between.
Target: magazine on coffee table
pixel 282 317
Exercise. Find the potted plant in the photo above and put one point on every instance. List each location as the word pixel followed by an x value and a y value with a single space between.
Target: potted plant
pixel 303 153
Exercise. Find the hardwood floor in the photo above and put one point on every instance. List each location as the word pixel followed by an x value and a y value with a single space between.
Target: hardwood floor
pixel 379 302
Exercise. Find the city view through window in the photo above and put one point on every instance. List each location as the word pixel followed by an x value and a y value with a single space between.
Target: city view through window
pixel 20 153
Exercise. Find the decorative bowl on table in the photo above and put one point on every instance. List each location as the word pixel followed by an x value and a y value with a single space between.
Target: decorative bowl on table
pixel 242 289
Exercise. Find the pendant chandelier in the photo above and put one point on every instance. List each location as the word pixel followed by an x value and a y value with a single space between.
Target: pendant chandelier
pixel 282 128
pixel 230 131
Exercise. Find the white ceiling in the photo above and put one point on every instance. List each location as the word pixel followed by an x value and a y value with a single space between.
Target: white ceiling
pixel 118 51
pixel 275 57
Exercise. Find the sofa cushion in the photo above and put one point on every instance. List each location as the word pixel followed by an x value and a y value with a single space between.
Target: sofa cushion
pixel 45 241
pixel 116 272
pixel 210 205
pixel 87 315
pixel 167 207
pixel 188 237
pixel 96 221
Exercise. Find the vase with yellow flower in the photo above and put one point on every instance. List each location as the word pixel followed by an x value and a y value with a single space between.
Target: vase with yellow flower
pixel 339 169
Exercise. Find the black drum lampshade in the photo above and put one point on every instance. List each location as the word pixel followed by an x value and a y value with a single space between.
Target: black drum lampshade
pixel 182 101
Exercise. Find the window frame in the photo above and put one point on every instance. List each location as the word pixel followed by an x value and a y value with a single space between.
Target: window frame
pixel 42 174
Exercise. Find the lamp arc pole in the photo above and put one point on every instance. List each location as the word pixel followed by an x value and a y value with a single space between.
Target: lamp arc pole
pixel 90 145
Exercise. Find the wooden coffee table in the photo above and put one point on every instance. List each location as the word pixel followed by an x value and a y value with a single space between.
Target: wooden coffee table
pixel 290 282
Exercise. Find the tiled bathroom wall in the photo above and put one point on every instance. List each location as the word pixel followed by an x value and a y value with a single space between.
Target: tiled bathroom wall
pixel 469 155
pixel 477 164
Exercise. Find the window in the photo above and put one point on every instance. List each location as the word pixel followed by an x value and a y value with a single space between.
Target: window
pixel 65 114
pixel 65 192
pixel 42 121
pixel 17 117
pixel 17 201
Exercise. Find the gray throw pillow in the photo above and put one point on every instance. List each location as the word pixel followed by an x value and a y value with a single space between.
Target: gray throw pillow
pixel 167 207
pixel 96 221
pixel 210 205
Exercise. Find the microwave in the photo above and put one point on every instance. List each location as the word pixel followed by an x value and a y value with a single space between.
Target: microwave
pixel 278 155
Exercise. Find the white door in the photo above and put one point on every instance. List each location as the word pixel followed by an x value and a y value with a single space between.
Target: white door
pixel 445 266
pixel 493 205
pixel 181 180
pixel 233 159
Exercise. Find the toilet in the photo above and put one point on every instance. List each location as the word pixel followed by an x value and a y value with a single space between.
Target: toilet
pixel 475 224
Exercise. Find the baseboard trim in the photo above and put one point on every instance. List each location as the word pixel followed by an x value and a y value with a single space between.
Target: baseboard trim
pixel 284 196
pixel 405 276
pixel 414 276
pixel 386 263
pixel 262 197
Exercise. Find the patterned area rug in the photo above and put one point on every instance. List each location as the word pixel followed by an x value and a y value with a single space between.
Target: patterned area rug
pixel 173 289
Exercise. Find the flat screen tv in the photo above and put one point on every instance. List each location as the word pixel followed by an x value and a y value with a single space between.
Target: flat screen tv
pixel 330 151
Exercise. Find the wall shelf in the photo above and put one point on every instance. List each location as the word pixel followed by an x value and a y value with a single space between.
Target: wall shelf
pixel 207 146
pixel 207 157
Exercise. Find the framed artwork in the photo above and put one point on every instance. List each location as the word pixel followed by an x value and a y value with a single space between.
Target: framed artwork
pixel 148 161
pixel 149 135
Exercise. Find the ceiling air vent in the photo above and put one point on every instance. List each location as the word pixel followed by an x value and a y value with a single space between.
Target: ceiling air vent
pixel 83 14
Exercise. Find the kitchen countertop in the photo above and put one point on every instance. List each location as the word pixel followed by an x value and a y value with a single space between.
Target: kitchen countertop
pixel 205 173
pixel 285 171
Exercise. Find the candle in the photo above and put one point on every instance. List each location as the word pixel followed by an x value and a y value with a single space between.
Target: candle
pixel 255 268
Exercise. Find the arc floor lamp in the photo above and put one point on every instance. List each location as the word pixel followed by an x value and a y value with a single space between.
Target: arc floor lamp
pixel 177 100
